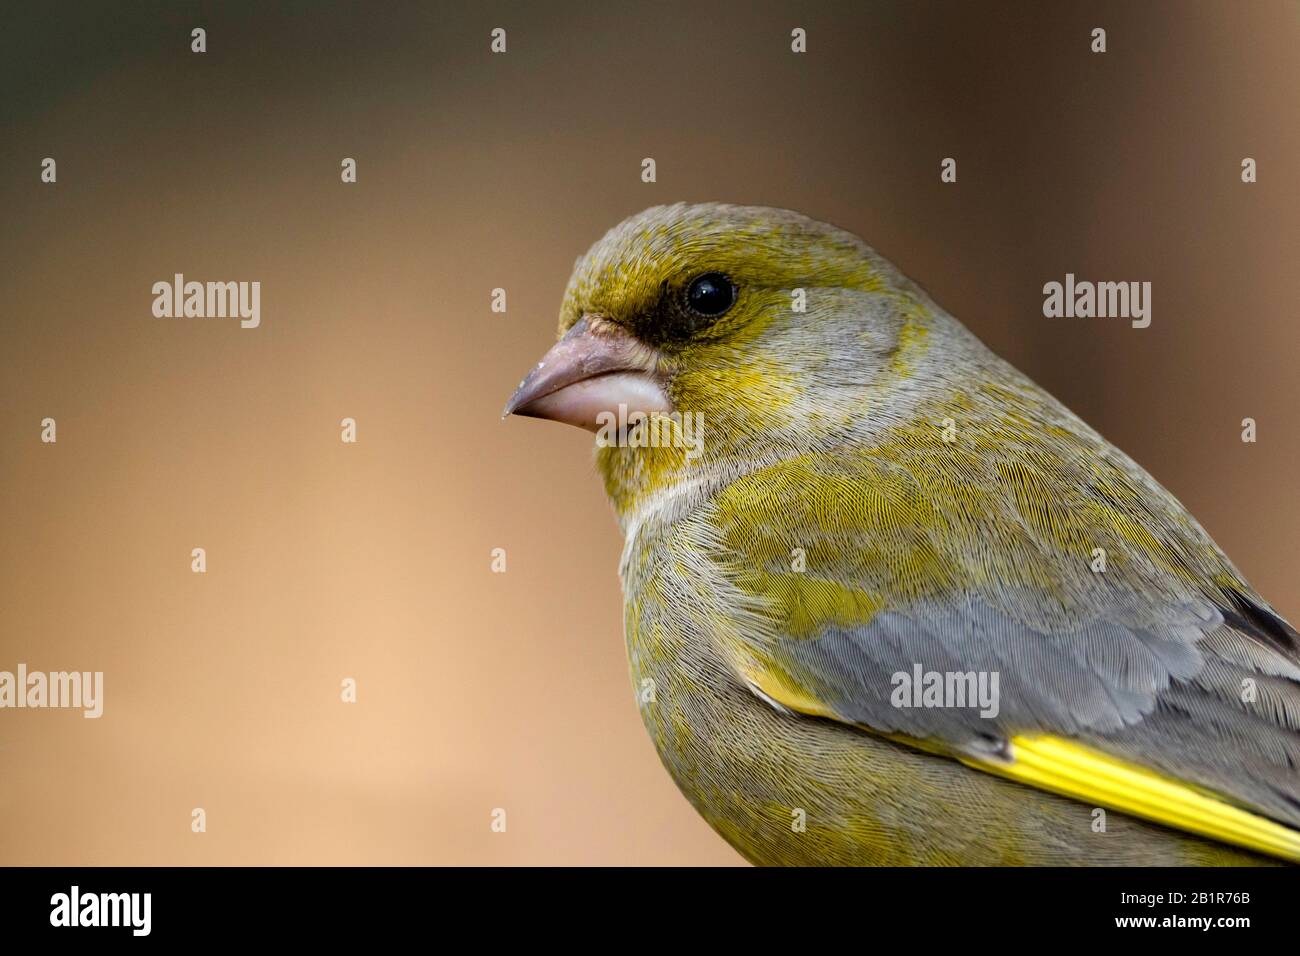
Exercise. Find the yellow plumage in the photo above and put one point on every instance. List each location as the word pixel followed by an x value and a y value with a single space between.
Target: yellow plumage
pixel 876 494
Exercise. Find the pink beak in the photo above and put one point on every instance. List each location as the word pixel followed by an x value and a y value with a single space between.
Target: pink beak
pixel 594 368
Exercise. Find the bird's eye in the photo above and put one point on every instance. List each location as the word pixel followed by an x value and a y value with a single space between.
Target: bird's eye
pixel 710 294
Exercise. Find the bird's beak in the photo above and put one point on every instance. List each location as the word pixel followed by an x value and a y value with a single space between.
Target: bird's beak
pixel 596 367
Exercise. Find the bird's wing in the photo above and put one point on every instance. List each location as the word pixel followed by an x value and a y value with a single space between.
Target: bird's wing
pixel 1133 668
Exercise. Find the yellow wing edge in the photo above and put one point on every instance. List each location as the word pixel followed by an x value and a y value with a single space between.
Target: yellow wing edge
pixel 1075 770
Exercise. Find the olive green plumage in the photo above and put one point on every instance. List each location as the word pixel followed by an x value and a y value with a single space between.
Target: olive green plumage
pixel 877 490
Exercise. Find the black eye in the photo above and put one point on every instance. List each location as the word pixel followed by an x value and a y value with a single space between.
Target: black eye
pixel 710 294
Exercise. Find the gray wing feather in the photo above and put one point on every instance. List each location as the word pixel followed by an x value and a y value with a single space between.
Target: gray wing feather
pixel 1173 699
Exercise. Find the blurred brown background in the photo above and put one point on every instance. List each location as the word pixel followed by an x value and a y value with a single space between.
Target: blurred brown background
pixel 325 560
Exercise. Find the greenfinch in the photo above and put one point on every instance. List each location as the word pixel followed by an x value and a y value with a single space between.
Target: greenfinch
pixel 886 600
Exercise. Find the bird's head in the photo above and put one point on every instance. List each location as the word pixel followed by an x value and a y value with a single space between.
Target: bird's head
pixel 703 334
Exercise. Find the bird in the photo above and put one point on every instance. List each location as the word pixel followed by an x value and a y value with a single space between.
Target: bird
pixel 887 602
